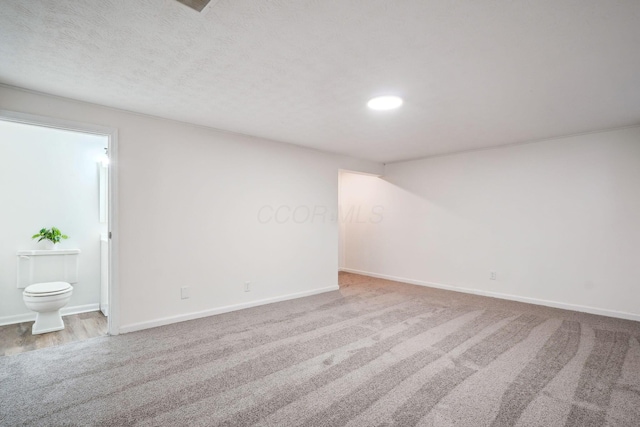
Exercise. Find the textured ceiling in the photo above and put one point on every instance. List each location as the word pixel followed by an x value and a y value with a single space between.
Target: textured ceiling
pixel 472 73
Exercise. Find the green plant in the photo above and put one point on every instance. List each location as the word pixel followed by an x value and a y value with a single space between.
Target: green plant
pixel 53 234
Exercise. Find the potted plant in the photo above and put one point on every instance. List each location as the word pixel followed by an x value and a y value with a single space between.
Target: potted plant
pixel 51 236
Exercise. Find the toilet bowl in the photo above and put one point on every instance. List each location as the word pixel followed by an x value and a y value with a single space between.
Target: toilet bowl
pixel 46 299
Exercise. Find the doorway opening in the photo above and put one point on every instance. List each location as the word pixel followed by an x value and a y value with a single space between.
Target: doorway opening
pixel 360 214
pixel 56 270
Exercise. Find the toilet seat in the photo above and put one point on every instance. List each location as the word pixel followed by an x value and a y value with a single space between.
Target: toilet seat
pixel 47 289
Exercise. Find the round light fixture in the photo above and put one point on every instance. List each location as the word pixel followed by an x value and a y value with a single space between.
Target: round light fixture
pixel 382 103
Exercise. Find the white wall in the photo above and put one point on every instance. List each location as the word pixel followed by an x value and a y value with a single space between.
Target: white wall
pixel 48 178
pixel 341 228
pixel 189 199
pixel 557 220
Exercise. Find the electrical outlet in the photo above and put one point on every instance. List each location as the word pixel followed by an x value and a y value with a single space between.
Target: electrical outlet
pixel 493 275
pixel 247 286
pixel 184 292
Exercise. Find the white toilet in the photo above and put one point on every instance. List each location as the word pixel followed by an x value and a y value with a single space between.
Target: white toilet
pixel 47 276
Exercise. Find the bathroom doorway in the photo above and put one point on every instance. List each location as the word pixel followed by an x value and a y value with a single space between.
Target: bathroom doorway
pixel 56 174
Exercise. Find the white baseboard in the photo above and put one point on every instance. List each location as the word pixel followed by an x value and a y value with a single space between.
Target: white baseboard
pixel 554 304
pixel 31 316
pixel 197 315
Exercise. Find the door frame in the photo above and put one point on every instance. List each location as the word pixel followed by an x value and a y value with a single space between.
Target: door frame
pixel 112 225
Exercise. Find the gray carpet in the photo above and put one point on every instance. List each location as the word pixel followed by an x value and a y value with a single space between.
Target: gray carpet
pixel 375 353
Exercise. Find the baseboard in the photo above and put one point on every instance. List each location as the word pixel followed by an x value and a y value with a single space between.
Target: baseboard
pixel 554 304
pixel 226 309
pixel 31 316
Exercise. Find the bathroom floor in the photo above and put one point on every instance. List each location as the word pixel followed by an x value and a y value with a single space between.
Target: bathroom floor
pixel 17 338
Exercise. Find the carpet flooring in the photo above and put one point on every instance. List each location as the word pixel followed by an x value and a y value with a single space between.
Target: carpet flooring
pixel 375 353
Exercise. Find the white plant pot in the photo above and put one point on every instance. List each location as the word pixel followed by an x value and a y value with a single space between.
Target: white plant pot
pixel 50 245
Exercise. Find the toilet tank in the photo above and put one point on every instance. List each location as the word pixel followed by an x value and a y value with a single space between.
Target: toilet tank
pixel 36 266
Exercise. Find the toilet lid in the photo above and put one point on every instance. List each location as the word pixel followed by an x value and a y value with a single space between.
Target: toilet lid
pixel 48 288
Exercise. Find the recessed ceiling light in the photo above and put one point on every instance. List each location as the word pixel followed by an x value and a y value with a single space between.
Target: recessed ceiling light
pixel 384 102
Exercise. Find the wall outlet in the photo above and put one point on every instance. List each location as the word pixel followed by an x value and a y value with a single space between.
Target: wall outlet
pixel 493 275
pixel 247 286
pixel 184 292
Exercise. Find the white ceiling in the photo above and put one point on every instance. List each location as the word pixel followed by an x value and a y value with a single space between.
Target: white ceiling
pixel 472 73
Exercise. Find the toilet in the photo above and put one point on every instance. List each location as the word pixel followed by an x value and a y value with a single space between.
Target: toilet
pixel 47 277
pixel 47 299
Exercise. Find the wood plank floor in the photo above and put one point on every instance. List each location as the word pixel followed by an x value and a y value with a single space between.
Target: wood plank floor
pixel 17 338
